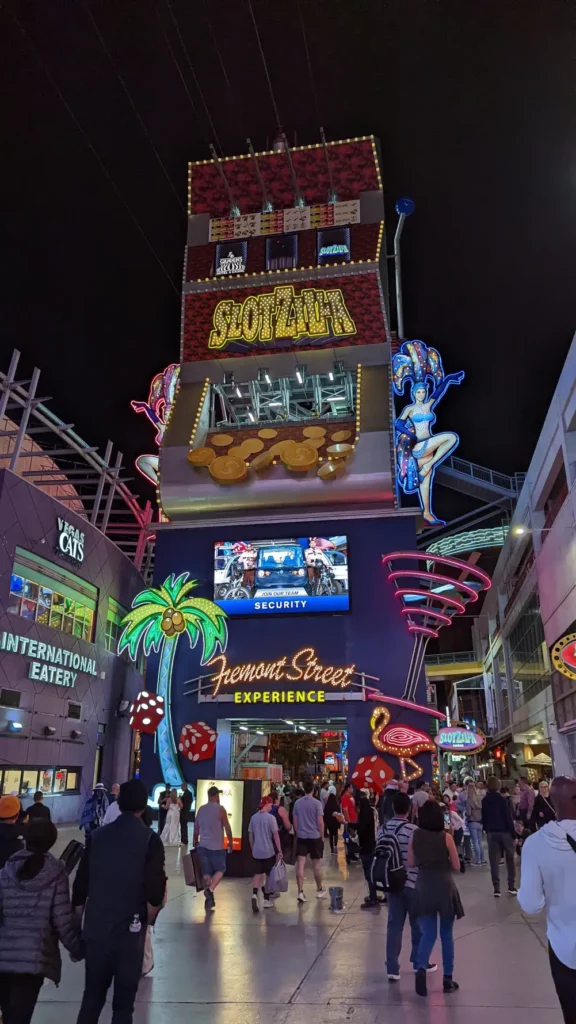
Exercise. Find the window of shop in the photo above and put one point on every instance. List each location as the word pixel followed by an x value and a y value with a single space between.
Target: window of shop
pixel 52 596
pixel 10 698
pixel 114 615
pixel 530 674
pixel 74 711
pixel 26 781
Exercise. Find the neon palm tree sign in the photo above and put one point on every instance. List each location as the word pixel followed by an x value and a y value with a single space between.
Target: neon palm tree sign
pixel 158 618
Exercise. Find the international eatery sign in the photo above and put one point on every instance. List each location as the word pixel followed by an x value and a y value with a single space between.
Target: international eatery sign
pixel 460 738
pixel 49 663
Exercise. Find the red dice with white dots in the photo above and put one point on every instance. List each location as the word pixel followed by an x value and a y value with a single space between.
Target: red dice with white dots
pixel 197 741
pixel 147 712
pixel 372 773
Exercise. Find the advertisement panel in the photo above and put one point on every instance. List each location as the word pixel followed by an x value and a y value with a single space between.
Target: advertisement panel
pixel 331 312
pixel 231 799
pixel 285 576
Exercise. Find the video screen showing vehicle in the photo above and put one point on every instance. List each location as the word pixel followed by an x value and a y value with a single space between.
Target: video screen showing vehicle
pixel 287 576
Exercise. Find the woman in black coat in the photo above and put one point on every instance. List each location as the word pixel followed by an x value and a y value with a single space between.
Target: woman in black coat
pixel 543 810
pixel 332 819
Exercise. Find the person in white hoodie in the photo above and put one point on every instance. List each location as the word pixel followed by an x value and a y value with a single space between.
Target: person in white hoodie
pixel 549 881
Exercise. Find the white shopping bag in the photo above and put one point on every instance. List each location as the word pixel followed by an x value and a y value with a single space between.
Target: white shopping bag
pixel 278 881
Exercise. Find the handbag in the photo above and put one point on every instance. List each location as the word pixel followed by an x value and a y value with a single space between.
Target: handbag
pixel 71 855
pixel 192 870
pixel 278 880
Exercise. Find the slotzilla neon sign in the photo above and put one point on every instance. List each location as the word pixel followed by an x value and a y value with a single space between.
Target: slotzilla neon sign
pixel 303 667
pixel 334 250
pixel 281 314
pixel 460 739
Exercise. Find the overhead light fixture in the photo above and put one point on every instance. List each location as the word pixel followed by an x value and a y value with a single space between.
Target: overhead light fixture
pixel 244 728
pixel 75 734
pixel 15 726
pixel 518 530
pixel 298 376
pixel 274 403
pixel 302 728
pixel 48 730
pixel 313 731
pixel 330 375
pixel 238 392
pixel 259 732
pixel 251 418
pixel 288 722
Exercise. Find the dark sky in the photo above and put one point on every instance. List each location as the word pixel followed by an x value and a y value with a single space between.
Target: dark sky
pixel 473 102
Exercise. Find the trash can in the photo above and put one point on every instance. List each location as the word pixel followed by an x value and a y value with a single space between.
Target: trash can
pixel 336 897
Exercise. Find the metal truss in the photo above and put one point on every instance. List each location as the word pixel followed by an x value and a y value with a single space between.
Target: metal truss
pixel 304 397
pixel 38 446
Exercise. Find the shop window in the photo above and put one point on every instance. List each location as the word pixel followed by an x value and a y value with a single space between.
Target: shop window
pixel 10 698
pixel 26 781
pixel 74 711
pixel 114 615
pixel 52 596
pixel 528 660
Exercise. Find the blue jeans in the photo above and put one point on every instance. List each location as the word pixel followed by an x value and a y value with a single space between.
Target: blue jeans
pixel 428 933
pixel 400 905
pixel 476 839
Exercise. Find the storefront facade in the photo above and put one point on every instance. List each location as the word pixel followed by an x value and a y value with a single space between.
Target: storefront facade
pixel 530 694
pixel 64 589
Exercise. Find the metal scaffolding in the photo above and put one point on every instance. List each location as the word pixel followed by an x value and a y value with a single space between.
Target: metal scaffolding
pixel 41 448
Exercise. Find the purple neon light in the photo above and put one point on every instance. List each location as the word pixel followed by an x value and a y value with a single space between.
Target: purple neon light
pixel 460 607
pixel 423 629
pixel 457 584
pixel 454 562
pixel 439 616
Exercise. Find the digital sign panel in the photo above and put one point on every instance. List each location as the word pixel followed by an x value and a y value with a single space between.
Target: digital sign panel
pixel 231 258
pixel 334 246
pixel 301 575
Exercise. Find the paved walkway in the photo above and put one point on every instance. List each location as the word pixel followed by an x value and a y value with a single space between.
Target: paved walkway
pixel 297 963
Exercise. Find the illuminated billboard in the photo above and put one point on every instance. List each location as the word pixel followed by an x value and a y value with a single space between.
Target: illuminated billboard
pixel 329 312
pixel 275 577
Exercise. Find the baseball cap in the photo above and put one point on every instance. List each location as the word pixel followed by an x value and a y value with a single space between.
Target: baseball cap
pixel 213 791
pixel 9 807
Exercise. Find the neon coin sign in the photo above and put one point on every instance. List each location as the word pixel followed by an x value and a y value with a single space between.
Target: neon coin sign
pixel 460 738
pixel 564 655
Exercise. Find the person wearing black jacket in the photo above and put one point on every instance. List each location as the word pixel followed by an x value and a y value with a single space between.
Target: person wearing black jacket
pixel 38 809
pixel 498 825
pixel 366 832
pixel 543 810
pixel 186 798
pixel 121 884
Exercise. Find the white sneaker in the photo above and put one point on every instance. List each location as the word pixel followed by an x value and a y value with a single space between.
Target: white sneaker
pixel 301 898
pixel 267 903
pixel 321 894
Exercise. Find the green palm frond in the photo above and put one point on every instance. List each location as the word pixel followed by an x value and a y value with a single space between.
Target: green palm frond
pixel 152 596
pixel 137 625
pixel 205 617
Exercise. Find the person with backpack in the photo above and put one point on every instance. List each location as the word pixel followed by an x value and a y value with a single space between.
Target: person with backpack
pixel 36 916
pixel 432 850
pixel 396 836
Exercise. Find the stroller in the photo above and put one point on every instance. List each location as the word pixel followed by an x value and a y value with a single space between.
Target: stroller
pixel 351 844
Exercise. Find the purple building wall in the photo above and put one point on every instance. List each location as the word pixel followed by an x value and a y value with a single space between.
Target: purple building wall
pixel 28 519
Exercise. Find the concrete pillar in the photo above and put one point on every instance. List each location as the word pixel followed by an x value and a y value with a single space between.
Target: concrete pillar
pixel 223 749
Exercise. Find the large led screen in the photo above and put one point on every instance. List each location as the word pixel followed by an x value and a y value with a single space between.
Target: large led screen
pixel 287 576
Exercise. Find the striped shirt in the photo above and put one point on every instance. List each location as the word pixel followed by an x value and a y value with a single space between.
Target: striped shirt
pixel 403 831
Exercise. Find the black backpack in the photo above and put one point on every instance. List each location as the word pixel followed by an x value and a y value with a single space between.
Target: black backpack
pixel 388 869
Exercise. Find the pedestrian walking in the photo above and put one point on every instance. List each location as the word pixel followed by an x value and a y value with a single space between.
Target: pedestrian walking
pixel 38 810
pixel 11 829
pixel 401 904
pixel 333 818
pixel 547 882
pixel 474 820
pixel 120 884
pixel 186 802
pixel 210 825
pixel 436 897
pixel 498 824
pixel 526 801
pixel 421 795
pixel 309 827
pixel 36 916
pixel 543 809
pixel 94 809
pixel 266 851
pixel 366 832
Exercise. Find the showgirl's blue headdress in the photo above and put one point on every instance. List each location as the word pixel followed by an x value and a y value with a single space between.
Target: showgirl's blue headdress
pixel 417 363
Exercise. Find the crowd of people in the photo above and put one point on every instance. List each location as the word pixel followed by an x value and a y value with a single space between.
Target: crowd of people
pixel 412 843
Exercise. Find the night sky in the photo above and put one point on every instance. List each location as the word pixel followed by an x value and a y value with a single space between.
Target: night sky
pixel 474 104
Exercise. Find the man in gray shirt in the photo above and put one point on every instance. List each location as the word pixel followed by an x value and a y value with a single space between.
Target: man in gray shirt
pixel 309 828
pixel 209 827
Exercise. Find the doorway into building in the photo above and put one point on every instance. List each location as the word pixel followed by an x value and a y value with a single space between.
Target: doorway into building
pixel 288 748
